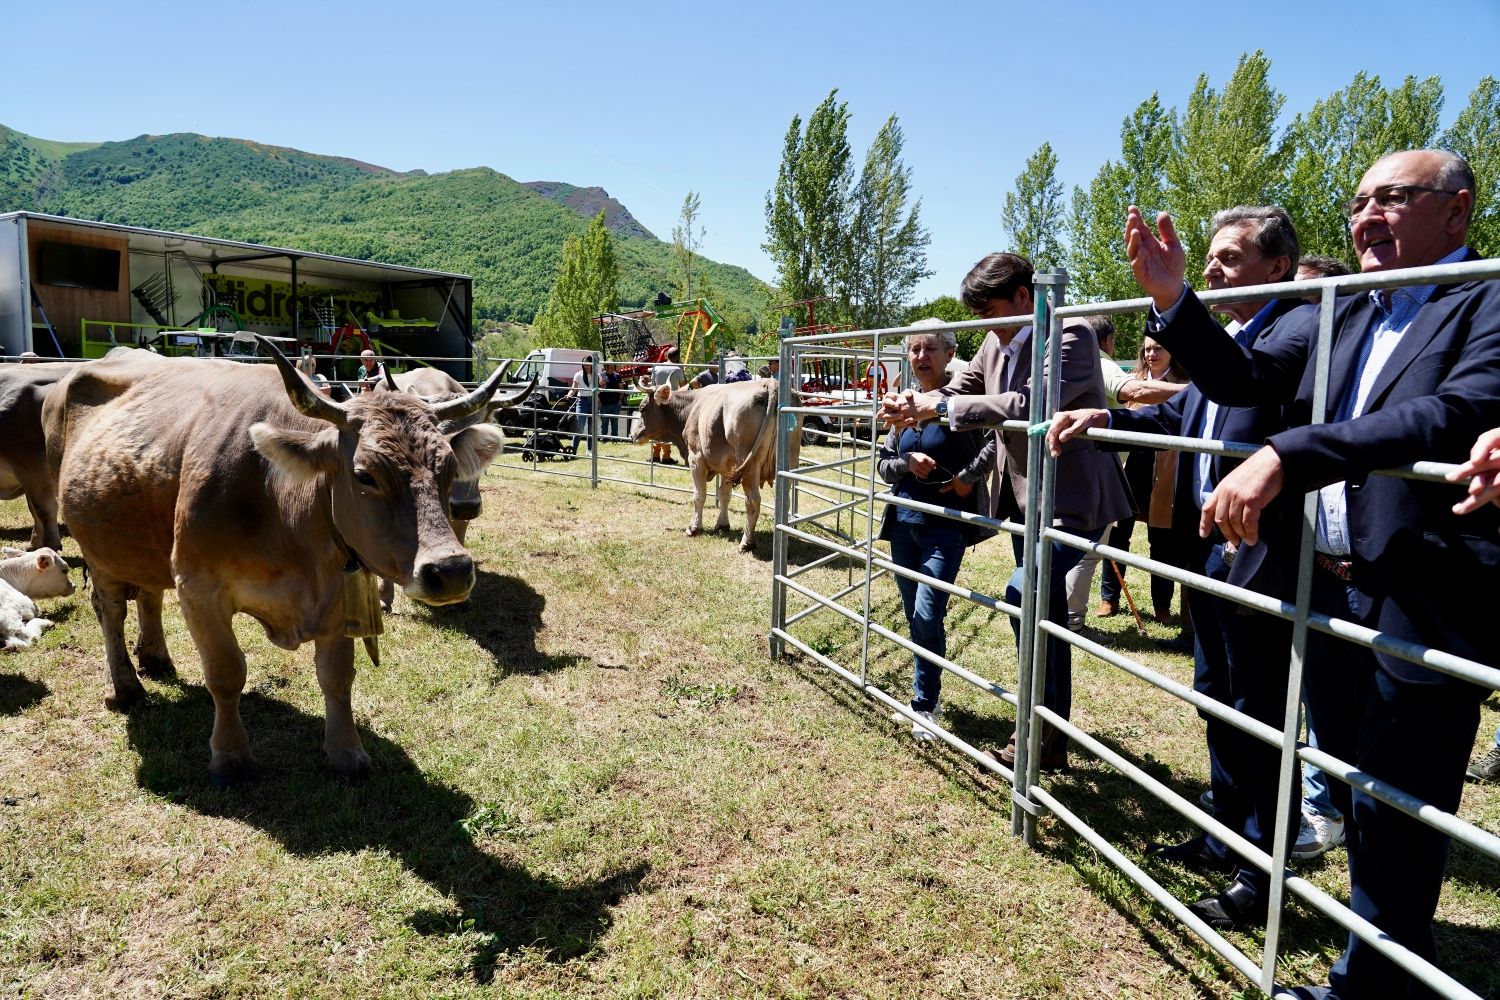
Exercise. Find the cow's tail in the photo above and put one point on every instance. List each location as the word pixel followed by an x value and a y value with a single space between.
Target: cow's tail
pixel 738 475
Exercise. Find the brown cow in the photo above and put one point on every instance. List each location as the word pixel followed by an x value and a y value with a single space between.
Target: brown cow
pixel 23 455
pixel 248 491
pixel 465 503
pixel 728 430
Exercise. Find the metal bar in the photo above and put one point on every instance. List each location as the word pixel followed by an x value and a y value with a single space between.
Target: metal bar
pixel 783 488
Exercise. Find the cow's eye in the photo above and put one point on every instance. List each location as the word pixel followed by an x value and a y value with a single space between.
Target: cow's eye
pixel 363 478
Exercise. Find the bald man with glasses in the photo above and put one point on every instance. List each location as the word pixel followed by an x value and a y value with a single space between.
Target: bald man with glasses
pixel 1415 374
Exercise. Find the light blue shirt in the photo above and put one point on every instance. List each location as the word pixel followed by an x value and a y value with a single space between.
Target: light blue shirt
pixel 1245 336
pixel 1379 343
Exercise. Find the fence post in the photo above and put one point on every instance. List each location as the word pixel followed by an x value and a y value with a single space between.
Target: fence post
pixel 597 368
pixel 786 424
pixel 1046 370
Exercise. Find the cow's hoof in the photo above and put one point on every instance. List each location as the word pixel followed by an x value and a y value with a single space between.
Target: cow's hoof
pixel 155 667
pixel 747 546
pixel 693 532
pixel 353 768
pixel 226 771
pixel 124 701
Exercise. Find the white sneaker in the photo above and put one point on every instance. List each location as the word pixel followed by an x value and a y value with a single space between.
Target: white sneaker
pixel 1317 835
pixel 917 732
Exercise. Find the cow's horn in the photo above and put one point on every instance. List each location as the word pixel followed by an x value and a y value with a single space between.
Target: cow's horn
pixel 463 406
pixel 390 381
pixel 506 402
pixel 305 398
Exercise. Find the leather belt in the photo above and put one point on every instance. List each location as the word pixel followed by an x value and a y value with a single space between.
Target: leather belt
pixel 1341 568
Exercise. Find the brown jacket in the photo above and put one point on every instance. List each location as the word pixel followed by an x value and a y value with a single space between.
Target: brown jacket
pixel 1091 490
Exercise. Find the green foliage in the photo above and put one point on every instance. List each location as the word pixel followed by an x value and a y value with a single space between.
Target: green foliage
pixel 949 309
pixel 889 242
pixel 1033 214
pixel 587 284
pixel 1097 266
pixel 1337 141
pixel 1225 150
pixel 807 212
pixel 1475 136
pixel 687 237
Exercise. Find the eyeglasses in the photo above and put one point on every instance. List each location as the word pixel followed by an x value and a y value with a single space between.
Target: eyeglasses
pixel 1391 197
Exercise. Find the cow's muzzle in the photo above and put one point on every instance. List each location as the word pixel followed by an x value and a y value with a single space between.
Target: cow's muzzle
pixel 465 510
pixel 442 581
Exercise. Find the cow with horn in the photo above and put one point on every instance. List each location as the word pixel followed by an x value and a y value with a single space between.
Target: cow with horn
pixel 248 491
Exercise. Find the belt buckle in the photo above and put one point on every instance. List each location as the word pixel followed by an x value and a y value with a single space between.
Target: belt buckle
pixel 1343 569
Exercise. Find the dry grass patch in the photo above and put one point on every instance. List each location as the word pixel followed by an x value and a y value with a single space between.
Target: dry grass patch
pixel 591 781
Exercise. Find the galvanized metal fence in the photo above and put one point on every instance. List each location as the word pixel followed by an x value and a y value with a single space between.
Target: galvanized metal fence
pixel 853 478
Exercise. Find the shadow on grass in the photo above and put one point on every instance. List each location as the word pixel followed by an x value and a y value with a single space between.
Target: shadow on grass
pixel 17 537
pixel 503 615
pixel 399 811
pixel 19 692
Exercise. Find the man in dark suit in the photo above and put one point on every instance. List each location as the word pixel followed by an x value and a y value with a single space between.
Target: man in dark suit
pixel 997 387
pixel 1415 374
pixel 1239 658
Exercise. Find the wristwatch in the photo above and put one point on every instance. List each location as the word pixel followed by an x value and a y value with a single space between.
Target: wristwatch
pixel 942 412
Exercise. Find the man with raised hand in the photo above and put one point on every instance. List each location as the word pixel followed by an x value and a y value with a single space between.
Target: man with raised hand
pixel 1240 659
pixel 1415 374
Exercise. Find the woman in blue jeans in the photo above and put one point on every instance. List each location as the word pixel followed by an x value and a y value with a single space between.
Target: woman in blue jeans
pixel 932 464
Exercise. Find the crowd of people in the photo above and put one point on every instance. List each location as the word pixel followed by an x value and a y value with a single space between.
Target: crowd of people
pixel 1414 375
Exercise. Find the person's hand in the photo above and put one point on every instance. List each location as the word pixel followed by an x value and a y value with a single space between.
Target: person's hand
pixel 1069 423
pixel 907 408
pixel 1160 264
pixel 920 464
pixel 958 486
pixel 1484 468
pixel 1236 503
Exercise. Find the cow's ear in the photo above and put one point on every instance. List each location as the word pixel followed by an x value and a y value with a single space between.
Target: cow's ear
pixel 475 448
pixel 663 393
pixel 298 455
pixel 43 561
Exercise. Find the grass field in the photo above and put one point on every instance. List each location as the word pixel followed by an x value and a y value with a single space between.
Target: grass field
pixel 591 780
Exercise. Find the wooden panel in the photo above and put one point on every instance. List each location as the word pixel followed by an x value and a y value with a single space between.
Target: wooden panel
pixel 67 307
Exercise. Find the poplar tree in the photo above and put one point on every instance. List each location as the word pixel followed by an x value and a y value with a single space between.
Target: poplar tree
pixel 1475 135
pixel 807 212
pixel 687 237
pixel 587 284
pixel 1225 150
pixel 1033 214
pixel 1335 142
pixel 1097 268
pixel 888 243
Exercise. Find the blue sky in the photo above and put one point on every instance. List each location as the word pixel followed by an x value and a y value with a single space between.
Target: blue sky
pixel 650 101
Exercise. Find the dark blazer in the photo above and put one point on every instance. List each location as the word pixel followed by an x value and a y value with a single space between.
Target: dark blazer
pixel 1254 566
pixel 1091 490
pixel 1422 573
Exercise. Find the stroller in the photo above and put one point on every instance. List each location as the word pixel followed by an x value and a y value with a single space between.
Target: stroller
pixel 544 439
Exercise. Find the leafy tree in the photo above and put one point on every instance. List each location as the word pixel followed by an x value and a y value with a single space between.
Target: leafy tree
pixel 1335 142
pixel 888 249
pixel 1225 150
pixel 807 212
pixel 1475 135
pixel 949 309
pixel 1033 215
pixel 1097 268
pixel 686 239
pixel 588 278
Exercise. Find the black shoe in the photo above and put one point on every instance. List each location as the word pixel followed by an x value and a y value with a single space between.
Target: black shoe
pixel 1193 855
pixel 1235 908
pixel 1181 643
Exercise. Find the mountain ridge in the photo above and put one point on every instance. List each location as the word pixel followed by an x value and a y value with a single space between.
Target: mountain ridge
pixel 507 234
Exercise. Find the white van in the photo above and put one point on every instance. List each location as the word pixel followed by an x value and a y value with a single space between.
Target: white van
pixel 553 367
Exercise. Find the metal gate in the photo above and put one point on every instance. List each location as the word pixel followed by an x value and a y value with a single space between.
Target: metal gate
pixel 855 482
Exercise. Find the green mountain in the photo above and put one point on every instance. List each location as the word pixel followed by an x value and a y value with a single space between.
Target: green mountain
pixel 506 234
